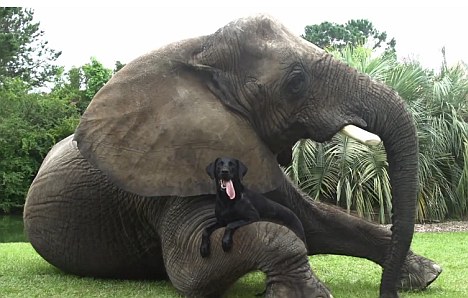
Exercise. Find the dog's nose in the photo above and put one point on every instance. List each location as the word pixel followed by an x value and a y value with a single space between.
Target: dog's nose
pixel 224 171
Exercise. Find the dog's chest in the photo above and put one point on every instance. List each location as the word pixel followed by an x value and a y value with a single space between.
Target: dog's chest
pixel 228 211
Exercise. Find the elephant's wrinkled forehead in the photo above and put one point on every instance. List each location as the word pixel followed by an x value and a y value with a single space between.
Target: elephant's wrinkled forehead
pixel 268 29
pixel 262 26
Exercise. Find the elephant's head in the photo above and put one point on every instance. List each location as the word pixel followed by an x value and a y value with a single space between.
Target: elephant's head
pixel 250 91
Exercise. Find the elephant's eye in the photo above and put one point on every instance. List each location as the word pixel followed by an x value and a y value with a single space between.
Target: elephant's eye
pixel 296 84
pixel 296 80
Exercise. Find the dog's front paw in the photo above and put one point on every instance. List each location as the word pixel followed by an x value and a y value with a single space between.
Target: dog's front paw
pixel 227 243
pixel 205 249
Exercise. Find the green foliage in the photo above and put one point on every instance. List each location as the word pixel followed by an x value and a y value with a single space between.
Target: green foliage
pixel 344 172
pixel 69 87
pixel 79 85
pixel 438 103
pixel 23 53
pixel 12 229
pixel 118 66
pixel 354 33
pixel 95 76
pixel 441 115
pixel 30 124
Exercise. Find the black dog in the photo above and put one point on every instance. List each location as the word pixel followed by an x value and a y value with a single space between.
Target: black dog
pixel 236 206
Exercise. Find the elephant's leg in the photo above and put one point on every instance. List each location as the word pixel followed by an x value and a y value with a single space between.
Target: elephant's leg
pixel 80 223
pixel 265 246
pixel 329 230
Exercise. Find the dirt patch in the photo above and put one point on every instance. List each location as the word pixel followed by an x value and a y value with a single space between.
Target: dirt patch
pixel 449 226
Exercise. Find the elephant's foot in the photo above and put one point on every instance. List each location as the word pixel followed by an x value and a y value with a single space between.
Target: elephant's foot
pixel 310 287
pixel 418 273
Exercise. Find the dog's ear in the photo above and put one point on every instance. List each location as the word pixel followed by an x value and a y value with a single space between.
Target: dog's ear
pixel 242 169
pixel 210 169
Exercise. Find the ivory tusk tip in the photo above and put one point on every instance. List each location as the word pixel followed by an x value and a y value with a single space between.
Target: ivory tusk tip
pixel 373 142
pixel 361 135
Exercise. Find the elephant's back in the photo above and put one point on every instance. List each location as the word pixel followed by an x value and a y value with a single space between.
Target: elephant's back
pixel 82 224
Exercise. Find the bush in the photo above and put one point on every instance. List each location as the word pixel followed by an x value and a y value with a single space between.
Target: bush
pixel 30 125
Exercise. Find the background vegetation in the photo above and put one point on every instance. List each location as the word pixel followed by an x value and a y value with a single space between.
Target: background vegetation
pixel 41 102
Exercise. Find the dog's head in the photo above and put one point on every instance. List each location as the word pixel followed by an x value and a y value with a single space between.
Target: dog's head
pixel 226 171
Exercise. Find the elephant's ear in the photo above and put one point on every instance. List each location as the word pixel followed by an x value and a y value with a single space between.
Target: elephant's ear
pixel 154 128
pixel 219 85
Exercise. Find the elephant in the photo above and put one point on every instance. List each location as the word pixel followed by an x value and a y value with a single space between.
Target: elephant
pixel 126 196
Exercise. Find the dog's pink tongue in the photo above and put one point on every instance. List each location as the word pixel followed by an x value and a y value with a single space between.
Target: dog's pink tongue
pixel 230 190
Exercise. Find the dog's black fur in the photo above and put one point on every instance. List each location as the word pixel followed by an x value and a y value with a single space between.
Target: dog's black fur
pixel 246 207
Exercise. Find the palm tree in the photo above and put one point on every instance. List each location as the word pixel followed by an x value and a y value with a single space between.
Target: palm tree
pixel 443 135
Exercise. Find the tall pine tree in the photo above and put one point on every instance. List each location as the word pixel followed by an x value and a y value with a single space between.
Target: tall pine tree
pixel 23 52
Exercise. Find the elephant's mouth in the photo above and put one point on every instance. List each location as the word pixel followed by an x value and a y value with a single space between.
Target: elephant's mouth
pixel 228 186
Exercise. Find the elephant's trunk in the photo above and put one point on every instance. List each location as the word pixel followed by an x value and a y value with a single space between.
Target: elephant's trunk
pixel 394 124
pixel 385 114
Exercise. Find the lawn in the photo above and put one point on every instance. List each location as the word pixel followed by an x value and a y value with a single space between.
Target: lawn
pixel 24 274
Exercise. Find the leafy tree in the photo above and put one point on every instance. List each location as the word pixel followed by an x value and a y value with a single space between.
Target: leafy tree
pixel 118 66
pixel 95 76
pixel 69 87
pixel 30 124
pixel 23 53
pixel 79 85
pixel 353 33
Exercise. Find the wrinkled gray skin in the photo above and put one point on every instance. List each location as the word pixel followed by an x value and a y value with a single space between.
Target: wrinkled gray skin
pixel 127 196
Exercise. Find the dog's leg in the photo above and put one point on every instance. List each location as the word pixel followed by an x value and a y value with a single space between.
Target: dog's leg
pixel 229 232
pixel 205 244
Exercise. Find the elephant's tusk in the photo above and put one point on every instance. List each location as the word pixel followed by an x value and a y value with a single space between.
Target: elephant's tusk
pixel 361 135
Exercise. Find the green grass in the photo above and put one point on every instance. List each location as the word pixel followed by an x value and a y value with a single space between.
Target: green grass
pixel 23 273
pixel 352 277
